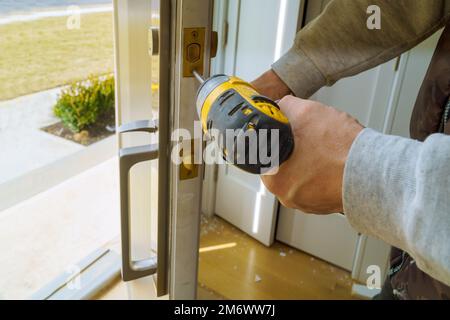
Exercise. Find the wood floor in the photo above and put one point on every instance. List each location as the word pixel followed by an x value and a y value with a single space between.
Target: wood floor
pixel 233 265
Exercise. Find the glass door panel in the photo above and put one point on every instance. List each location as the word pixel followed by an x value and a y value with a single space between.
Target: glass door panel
pixel 58 167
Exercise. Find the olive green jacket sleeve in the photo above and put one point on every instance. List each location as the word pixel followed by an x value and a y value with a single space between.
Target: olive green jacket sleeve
pixel 339 44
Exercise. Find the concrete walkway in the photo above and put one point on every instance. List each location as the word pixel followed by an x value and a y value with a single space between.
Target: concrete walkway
pixel 23 146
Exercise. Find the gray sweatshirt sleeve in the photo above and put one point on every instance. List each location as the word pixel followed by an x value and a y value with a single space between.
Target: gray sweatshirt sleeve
pixel 398 190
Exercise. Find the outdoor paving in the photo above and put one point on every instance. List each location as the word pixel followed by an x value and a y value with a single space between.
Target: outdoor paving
pixel 23 146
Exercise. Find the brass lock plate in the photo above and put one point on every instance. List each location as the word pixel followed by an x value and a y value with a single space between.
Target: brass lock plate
pixel 193 51
pixel 188 167
pixel 188 170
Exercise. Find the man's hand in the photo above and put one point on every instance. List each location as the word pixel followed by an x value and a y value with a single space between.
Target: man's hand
pixel 271 86
pixel 311 179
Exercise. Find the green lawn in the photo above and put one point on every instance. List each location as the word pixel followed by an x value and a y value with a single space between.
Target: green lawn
pixel 44 54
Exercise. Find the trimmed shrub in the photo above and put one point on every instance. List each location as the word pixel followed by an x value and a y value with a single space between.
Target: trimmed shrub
pixel 81 104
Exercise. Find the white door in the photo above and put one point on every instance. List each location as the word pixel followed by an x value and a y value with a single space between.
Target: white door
pixel 160 200
pixel 256 38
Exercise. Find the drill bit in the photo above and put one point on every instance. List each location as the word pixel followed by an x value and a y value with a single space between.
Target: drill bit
pixel 198 77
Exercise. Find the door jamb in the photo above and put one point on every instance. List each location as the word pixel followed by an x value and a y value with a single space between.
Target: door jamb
pixel 186 194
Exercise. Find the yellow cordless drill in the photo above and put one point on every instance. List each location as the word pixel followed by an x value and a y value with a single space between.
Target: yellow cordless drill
pixel 235 110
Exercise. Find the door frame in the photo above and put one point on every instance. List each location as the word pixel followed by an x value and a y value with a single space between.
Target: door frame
pixel 186 194
pixel 178 219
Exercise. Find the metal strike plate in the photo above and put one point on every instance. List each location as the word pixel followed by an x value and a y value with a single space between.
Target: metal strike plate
pixel 153 41
pixel 188 169
pixel 214 44
pixel 193 51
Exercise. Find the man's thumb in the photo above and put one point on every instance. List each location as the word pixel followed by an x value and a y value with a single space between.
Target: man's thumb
pixel 290 106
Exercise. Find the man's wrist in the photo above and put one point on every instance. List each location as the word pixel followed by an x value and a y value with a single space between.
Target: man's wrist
pixel 270 85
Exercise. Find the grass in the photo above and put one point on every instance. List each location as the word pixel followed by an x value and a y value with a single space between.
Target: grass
pixel 43 54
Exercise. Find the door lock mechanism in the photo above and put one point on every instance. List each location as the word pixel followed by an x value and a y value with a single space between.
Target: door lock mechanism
pixel 194 50
pixel 188 168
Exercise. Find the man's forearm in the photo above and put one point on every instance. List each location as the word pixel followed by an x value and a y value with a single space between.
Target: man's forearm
pixel 338 43
pixel 399 191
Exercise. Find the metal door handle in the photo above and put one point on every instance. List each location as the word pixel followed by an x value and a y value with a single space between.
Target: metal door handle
pixel 149 126
pixel 129 157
